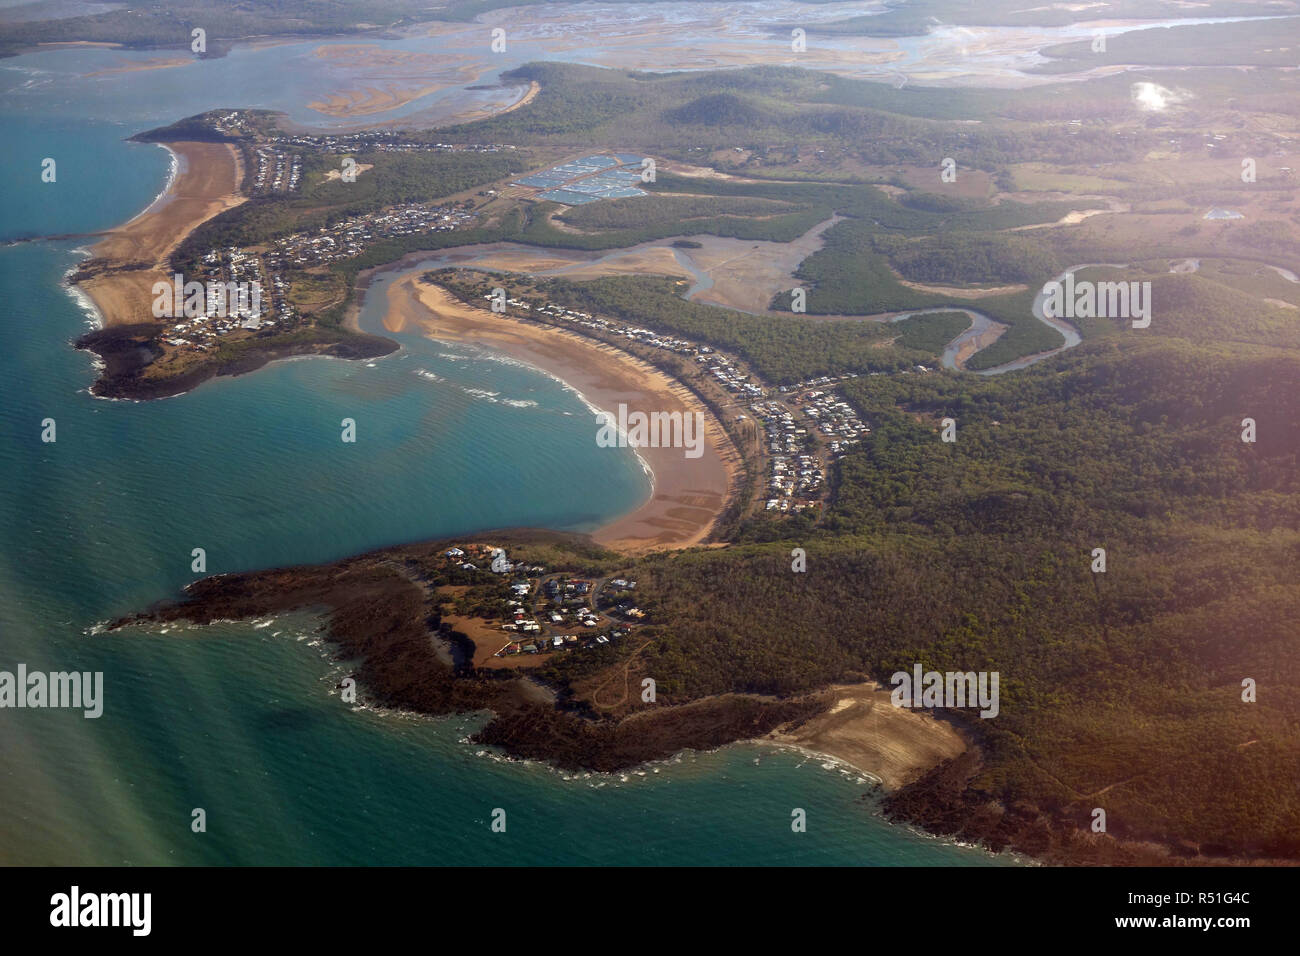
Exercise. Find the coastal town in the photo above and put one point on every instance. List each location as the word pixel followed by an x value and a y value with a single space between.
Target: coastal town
pixel 349 238
pixel 225 270
pixel 257 126
pixel 805 425
pixel 792 432
pixel 376 141
pixel 541 612
pixel 277 171
pixel 286 277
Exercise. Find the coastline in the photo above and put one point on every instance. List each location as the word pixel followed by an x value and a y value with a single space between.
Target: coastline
pixel 118 277
pixel 378 604
pixel 115 283
pixel 687 495
pixel 861 729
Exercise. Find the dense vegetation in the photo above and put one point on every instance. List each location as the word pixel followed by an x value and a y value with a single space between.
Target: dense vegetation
pixel 1216 44
pixel 962 258
pixel 931 331
pixel 629 227
pixel 976 555
pixel 782 351
pixel 674 113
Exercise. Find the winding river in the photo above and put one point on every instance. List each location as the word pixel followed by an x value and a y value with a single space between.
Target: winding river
pixel 507 257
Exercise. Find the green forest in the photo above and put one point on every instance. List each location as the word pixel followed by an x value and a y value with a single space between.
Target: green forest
pixel 976 555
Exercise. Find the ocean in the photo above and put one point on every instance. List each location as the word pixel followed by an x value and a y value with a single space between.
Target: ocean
pixel 239 720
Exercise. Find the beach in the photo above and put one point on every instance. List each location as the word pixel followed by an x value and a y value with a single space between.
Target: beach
pixel 124 265
pixel 864 730
pixel 688 493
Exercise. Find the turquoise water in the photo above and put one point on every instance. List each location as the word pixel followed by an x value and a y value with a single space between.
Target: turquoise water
pixel 239 719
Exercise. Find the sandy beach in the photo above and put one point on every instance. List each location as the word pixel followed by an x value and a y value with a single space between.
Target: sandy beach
pixel 123 267
pixel 864 730
pixel 689 493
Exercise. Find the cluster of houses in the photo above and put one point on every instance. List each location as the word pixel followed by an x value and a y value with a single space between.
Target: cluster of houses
pixel 232 123
pixel 725 371
pixel 835 419
pixel 651 338
pixel 493 559
pixel 796 482
pixel 795 479
pixel 277 171
pixel 643 336
pixel 348 238
pixel 284 312
pixel 566 604
pixel 617 593
pixel 373 141
pixel 729 375
pixel 220 268
pixel 535 616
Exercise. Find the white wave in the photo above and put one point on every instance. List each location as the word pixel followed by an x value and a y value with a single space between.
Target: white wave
pixel 94 318
pixel 173 170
